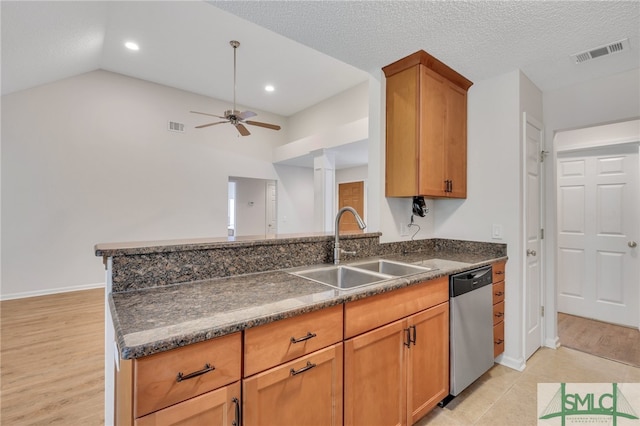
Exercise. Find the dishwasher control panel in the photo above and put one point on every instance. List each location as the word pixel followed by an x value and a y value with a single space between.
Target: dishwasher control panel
pixel 465 282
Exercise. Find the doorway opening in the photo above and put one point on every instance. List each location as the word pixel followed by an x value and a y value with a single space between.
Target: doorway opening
pixel 252 207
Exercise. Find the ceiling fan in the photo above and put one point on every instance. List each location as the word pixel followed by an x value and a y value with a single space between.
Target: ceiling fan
pixel 233 116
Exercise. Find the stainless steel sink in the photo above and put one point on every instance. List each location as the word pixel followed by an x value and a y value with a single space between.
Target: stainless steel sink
pixel 342 277
pixel 389 267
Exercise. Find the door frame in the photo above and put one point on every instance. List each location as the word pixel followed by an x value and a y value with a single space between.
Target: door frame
pixel 528 119
pixel 623 132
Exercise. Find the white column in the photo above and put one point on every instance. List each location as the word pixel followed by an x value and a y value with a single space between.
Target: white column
pixel 324 182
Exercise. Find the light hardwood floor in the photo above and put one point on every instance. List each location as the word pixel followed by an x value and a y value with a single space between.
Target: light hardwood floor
pixel 52 359
pixel 52 370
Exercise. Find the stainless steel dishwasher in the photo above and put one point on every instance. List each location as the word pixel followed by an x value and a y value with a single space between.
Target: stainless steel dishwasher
pixel 470 328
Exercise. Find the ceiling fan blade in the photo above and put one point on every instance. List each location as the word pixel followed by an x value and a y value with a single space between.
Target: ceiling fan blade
pixel 266 125
pixel 210 124
pixel 243 130
pixel 204 113
pixel 246 114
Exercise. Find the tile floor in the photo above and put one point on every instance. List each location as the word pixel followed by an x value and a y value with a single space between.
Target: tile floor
pixel 503 396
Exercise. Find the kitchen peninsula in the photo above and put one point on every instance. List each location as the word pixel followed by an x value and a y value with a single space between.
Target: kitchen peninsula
pixel 195 321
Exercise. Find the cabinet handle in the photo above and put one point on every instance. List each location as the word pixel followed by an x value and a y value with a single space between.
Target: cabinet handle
pixel 309 366
pixel 499 293
pixel 499 314
pixel 207 368
pixel 499 272
pixel 413 327
pixel 236 421
pixel 499 342
pixel 407 342
pixel 309 335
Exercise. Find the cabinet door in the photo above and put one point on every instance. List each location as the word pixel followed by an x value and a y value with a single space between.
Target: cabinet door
pixel 428 361
pixel 306 391
pixel 375 377
pixel 433 99
pixel 402 134
pixel 216 408
pixel 456 141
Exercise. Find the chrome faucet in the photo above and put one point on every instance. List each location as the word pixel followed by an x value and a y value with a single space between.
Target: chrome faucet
pixel 336 245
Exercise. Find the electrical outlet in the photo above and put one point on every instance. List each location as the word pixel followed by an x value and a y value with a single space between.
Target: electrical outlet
pixel 496 232
pixel 404 229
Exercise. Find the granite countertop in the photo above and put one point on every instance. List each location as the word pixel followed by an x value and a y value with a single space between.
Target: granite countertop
pixel 153 320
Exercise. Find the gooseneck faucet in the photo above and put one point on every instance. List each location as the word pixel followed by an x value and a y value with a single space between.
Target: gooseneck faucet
pixel 336 245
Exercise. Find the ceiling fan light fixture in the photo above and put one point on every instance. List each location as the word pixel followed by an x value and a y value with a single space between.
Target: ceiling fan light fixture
pixel 234 116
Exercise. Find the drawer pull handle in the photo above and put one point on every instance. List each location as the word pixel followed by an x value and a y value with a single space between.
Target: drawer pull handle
pixel 499 342
pixel 499 272
pixel 499 293
pixel 309 335
pixel 236 421
pixel 207 368
pixel 309 366
pixel 499 314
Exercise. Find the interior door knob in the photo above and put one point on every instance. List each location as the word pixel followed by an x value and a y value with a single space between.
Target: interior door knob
pixel 531 252
pixel 632 244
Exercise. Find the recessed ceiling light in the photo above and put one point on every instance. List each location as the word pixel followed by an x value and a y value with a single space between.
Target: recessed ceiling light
pixel 132 46
pixel 269 88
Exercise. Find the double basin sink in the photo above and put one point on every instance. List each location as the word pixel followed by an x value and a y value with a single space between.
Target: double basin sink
pixel 347 277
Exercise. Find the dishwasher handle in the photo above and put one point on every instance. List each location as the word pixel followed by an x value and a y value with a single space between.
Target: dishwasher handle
pixel 471 280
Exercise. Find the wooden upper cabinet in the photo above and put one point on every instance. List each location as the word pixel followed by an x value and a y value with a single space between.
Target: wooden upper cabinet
pixel 426 121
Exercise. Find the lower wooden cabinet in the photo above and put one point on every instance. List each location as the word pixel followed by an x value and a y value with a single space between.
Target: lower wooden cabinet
pixel 397 373
pixel 306 391
pixel 220 407
pixel 498 307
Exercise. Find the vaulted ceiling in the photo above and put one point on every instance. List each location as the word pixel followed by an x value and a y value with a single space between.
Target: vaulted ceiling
pixel 309 50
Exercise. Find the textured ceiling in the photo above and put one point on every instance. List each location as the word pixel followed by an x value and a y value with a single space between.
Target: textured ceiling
pixel 185 44
pixel 479 39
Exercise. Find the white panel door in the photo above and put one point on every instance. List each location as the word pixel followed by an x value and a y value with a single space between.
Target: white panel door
pixel 598 226
pixel 533 276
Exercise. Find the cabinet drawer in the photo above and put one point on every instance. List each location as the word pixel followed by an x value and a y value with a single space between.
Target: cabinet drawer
pixel 498 312
pixel 366 314
pixel 498 271
pixel 498 339
pixel 168 378
pixel 217 407
pixel 498 292
pixel 306 391
pixel 272 344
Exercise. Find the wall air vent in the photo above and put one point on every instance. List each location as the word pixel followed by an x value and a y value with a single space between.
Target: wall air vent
pixel 176 127
pixel 615 47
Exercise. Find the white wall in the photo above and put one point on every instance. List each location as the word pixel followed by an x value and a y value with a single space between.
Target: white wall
pixel 346 107
pixel 89 160
pixel 295 199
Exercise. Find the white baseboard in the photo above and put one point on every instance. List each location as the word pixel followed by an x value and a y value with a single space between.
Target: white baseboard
pixel 516 364
pixel 50 291
pixel 553 343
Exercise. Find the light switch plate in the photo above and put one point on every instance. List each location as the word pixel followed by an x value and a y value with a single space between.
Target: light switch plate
pixel 496 232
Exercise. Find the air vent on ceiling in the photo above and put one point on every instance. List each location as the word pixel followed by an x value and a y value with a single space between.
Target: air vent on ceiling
pixel 176 127
pixel 608 49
